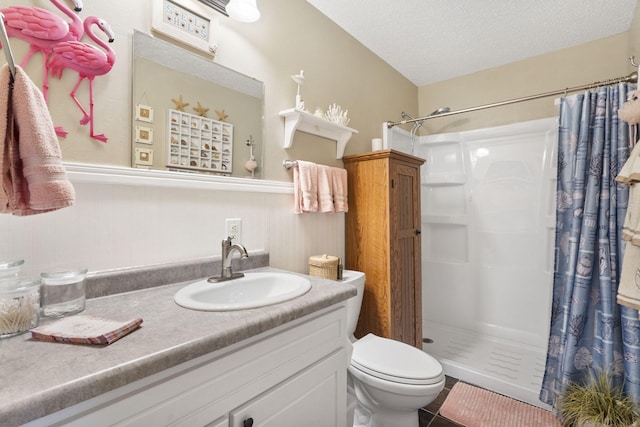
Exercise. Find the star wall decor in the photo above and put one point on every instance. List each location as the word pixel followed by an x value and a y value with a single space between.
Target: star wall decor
pixel 221 115
pixel 180 104
pixel 202 111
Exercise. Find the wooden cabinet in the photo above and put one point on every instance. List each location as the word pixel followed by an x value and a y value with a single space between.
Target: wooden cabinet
pixel 383 241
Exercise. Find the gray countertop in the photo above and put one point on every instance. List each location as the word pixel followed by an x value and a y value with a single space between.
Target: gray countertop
pixel 38 378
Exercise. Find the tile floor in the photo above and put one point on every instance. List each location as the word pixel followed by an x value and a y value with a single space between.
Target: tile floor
pixel 429 415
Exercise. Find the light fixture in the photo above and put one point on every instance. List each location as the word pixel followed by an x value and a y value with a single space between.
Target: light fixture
pixel 243 10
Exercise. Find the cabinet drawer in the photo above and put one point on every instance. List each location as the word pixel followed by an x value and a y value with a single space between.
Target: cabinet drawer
pixel 315 397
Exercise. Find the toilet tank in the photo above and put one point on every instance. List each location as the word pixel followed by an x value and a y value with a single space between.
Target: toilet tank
pixel 357 279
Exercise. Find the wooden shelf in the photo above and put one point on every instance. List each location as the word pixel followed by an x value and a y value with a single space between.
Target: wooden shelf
pixel 306 122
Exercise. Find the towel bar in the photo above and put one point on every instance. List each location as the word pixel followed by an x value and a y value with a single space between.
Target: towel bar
pixel 288 164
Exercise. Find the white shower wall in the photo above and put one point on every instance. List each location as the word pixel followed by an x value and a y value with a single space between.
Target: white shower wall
pixel 488 218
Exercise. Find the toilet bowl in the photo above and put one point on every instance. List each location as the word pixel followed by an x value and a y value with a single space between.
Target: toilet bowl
pixel 388 380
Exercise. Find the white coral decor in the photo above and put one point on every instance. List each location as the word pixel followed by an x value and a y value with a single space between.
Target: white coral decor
pixel 335 114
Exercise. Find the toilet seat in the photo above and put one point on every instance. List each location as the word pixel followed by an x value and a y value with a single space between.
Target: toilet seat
pixel 395 361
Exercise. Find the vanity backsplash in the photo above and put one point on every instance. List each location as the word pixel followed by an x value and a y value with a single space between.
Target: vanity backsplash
pixel 117 281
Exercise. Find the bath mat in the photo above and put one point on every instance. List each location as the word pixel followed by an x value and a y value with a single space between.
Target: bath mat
pixel 475 407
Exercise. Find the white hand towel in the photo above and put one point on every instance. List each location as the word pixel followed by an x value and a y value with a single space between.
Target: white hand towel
pixel 629 289
pixel 630 174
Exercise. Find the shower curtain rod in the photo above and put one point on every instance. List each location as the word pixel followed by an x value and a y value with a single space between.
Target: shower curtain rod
pixel 631 78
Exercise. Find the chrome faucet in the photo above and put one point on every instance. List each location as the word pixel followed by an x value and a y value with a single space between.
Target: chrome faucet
pixel 227 251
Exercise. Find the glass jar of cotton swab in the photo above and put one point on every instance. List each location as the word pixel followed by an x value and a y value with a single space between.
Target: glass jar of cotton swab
pixel 19 300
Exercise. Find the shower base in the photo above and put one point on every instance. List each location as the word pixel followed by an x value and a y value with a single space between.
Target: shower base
pixel 509 368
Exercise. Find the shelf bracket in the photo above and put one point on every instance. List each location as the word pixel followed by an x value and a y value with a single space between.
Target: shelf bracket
pixel 298 120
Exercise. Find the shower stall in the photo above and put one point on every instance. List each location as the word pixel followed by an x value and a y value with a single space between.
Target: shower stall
pixel 488 227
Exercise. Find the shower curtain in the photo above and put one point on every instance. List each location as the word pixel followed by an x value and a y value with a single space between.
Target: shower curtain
pixel 589 331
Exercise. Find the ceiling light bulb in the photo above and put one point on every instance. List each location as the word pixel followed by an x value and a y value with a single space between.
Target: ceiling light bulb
pixel 243 10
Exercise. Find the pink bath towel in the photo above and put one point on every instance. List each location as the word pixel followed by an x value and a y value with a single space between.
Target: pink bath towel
pixel 33 177
pixel 325 189
pixel 339 183
pixel 305 187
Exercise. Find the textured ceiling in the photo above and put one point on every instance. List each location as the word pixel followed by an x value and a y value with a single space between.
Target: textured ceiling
pixel 433 40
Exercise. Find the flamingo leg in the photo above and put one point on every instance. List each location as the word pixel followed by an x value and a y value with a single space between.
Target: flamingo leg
pixel 84 119
pixel 45 80
pixel 99 137
pixel 45 70
pixel 60 131
pixel 28 56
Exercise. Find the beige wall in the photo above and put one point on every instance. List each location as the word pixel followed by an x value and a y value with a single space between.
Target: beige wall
pixel 595 61
pixel 634 36
pixel 291 35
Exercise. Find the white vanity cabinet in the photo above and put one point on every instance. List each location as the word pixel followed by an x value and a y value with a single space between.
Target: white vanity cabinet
pixel 293 375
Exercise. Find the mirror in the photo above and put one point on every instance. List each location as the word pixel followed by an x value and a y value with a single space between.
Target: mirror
pixel 192 115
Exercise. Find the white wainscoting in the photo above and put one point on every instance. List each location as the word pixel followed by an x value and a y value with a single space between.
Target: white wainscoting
pixel 125 217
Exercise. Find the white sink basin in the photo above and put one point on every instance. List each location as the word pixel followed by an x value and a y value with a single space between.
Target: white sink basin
pixel 251 291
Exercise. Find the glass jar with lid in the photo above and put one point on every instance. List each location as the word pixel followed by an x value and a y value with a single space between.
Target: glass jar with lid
pixel 63 291
pixel 10 268
pixel 19 305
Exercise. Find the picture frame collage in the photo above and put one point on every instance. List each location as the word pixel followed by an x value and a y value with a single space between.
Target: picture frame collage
pixel 144 135
pixel 199 143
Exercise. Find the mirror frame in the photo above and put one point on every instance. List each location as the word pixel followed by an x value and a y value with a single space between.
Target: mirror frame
pixel 190 63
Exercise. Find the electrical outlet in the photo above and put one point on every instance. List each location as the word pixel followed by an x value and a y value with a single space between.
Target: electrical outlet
pixel 233 229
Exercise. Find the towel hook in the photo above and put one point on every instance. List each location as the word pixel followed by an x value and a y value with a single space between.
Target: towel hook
pixel 7 47
pixel 632 59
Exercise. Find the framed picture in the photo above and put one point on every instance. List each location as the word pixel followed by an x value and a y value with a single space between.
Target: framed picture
pixel 144 135
pixel 144 113
pixel 187 21
pixel 144 156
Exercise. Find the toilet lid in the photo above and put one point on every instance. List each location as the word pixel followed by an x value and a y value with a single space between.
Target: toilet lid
pixel 395 361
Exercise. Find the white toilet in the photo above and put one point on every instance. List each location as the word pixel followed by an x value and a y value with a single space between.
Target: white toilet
pixel 390 380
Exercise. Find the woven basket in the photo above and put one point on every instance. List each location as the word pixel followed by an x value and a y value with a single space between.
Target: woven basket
pixel 325 266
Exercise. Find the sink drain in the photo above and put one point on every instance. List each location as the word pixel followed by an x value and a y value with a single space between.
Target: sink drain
pixel 427 340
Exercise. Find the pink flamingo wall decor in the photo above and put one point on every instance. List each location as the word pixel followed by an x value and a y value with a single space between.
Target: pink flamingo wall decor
pixel 42 29
pixel 88 61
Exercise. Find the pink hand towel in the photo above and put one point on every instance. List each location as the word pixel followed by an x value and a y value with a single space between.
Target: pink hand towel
pixel 325 189
pixel 339 183
pixel 34 179
pixel 305 187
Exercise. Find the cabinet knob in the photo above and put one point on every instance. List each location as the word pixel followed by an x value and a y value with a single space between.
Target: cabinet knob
pixel 418 232
pixel 248 422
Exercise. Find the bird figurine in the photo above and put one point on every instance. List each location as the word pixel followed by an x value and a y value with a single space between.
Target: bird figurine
pixel 88 61
pixel 299 79
pixel 42 29
pixel 251 165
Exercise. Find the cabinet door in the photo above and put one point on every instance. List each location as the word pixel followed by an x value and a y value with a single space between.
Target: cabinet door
pixel 406 280
pixel 222 422
pixel 315 397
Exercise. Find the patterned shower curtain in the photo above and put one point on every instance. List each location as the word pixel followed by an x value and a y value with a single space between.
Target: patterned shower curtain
pixel 589 330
